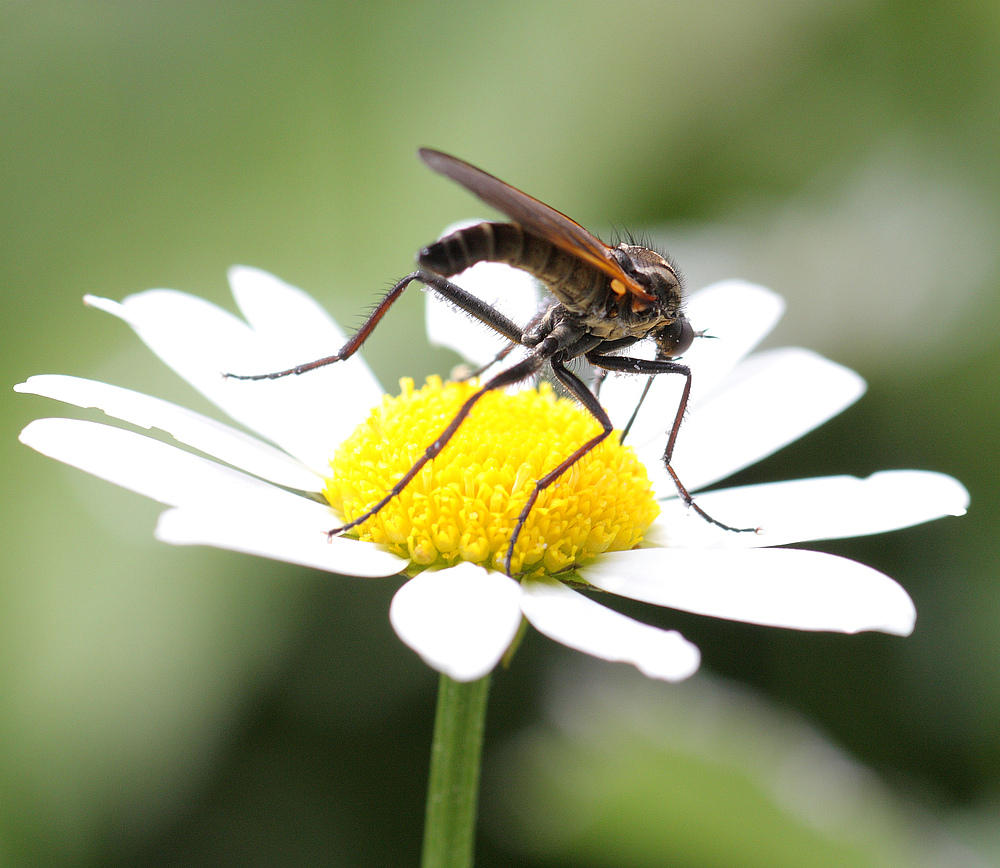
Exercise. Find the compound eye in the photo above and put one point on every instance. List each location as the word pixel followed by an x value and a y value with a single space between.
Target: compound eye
pixel 685 338
pixel 676 338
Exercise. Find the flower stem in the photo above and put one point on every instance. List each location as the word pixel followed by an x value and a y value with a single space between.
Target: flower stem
pixel 453 791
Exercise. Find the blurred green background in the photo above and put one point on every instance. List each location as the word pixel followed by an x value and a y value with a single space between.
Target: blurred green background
pixel 172 707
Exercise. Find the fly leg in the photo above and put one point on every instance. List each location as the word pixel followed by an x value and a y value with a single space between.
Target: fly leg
pixel 652 367
pixel 514 374
pixel 579 391
pixel 455 294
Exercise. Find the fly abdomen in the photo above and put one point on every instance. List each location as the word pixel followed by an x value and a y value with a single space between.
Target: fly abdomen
pixel 484 242
pixel 571 279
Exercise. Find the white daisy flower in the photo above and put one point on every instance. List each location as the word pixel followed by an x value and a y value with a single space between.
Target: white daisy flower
pixel 597 527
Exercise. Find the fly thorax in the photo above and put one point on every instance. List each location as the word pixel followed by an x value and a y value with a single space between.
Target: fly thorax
pixel 655 275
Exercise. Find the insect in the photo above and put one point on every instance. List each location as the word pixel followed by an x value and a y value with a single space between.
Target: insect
pixel 603 300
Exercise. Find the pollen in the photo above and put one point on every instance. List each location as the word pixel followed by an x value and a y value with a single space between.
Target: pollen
pixel 464 504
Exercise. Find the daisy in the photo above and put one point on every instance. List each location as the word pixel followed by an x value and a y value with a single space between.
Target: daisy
pixel 597 528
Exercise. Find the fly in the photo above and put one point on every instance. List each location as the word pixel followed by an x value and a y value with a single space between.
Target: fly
pixel 603 300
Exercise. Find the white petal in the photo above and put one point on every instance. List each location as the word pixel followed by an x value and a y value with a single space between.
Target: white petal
pixel 578 622
pixel 281 313
pixel 809 509
pixel 511 291
pixel 204 434
pixel 306 415
pixel 163 472
pixel 220 506
pixel 459 620
pixel 793 588
pixel 770 400
pixel 737 315
pixel 278 538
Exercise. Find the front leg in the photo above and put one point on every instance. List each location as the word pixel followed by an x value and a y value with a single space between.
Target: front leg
pixel 652 367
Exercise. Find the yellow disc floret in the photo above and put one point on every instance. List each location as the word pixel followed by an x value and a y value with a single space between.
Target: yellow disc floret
pixel 464 504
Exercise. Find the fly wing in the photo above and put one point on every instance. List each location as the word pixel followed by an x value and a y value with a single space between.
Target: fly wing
pixel 534 216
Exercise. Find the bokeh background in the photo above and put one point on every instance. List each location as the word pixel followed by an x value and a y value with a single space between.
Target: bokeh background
pixel 173 707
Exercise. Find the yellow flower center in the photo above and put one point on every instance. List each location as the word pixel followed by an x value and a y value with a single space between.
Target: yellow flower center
pixel 464 504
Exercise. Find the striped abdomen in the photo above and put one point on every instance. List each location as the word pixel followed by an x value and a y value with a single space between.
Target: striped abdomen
pixel 569 278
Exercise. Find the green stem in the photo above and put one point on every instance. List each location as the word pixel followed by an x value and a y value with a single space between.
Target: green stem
pixel 453 791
